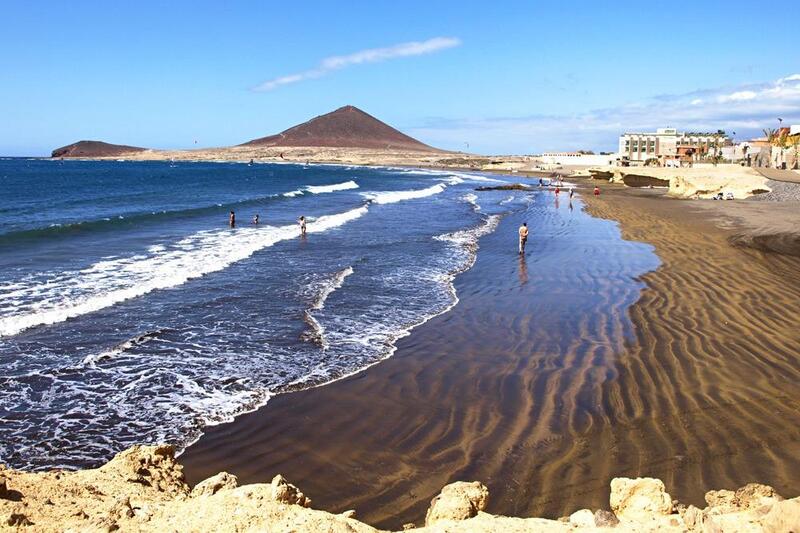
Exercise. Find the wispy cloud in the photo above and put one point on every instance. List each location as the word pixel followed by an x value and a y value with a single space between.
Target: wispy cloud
pixel 745 109
pixel 371 55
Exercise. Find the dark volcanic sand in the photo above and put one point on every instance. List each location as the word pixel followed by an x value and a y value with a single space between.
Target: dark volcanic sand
pixel 544 382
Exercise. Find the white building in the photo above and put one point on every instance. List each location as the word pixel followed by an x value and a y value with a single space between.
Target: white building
pixel 577 159
pixel 669 143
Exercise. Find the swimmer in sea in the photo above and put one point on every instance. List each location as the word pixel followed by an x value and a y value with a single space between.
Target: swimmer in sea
pixel 255 219
pixel 302 222
pixel 232 219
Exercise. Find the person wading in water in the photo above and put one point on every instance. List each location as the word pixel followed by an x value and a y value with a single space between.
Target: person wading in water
pixel 523 237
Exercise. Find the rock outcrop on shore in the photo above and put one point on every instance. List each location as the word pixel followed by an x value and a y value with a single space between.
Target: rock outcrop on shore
pixel 696 182
pixel 143 489
pixel 91 149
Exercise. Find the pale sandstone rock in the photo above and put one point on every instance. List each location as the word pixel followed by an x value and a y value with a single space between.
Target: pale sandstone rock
pixel 142 490
pixel 783 516
pixel 285 492
pixel 724 500
pixel 351 513
pixel 639 498
pixel 582 518
pixel 692 517
pixel 150 466
pixel 487 523
pixel 754 495
pixel 214 484
pixel 458 501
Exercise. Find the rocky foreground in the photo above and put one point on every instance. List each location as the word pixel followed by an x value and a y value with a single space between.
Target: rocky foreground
pixel 143 489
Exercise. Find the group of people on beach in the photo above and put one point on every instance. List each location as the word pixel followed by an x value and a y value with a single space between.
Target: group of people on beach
pixel 523 229
pixel 257 220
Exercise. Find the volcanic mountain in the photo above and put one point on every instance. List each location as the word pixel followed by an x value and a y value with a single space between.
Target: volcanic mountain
pixel 95 149
pixel 347 127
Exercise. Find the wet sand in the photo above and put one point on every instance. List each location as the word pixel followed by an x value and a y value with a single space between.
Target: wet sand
pixel 549 378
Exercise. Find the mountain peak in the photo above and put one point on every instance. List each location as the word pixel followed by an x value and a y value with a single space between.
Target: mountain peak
pixel 345 127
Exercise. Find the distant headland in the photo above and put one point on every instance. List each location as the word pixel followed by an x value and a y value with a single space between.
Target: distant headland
pixel 347 135
pixel 91 149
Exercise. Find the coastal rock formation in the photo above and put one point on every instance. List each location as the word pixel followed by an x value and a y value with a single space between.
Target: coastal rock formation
pixel 458 501
pixel 143 489
pixel 695 182
pixel 512 187
pixel 635 499
pixel 214 484
pixel 93 149
pixel 348 127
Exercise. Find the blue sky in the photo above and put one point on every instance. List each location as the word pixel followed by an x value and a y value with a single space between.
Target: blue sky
pixel 505 77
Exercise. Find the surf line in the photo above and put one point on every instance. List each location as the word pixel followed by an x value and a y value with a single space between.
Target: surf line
pixel 107 283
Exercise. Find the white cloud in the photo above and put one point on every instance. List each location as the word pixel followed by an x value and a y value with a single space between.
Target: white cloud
pixel 746 109
pixel 372 55
pixel 738 96
pixel 793 77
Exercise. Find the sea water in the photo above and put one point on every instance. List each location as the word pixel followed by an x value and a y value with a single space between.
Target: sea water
pixel 130 312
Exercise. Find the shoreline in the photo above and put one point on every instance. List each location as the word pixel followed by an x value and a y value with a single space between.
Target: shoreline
pixel 371 160
pixel 289 435
pixel 295 387
pixel 258 430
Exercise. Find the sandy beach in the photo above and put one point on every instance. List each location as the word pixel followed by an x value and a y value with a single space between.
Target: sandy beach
pixel 546 398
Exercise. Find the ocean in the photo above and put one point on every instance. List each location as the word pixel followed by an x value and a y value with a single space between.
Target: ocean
pixel 130 312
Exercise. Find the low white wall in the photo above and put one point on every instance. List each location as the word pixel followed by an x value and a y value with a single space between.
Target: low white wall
pixel 587 160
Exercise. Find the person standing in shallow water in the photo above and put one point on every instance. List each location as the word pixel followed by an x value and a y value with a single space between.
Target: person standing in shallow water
pixel 523 237
pixel 302 222
pixel 232 219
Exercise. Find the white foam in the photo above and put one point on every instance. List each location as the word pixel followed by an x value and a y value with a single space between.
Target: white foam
pixel 452 180
pixel 507 200
pixel 390 197
pixel 473 177
pixel 54 297
pixel 93 358
pixel 319 189
pixel 326 288
pixel 472 199
pixel 468 238
pixel 292 194
pixel 331 285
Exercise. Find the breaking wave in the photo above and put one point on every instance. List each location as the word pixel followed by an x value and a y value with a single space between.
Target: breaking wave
pixel 48 298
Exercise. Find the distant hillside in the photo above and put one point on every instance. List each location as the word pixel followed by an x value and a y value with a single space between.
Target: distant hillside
pixel 95 149
pixel 347 127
